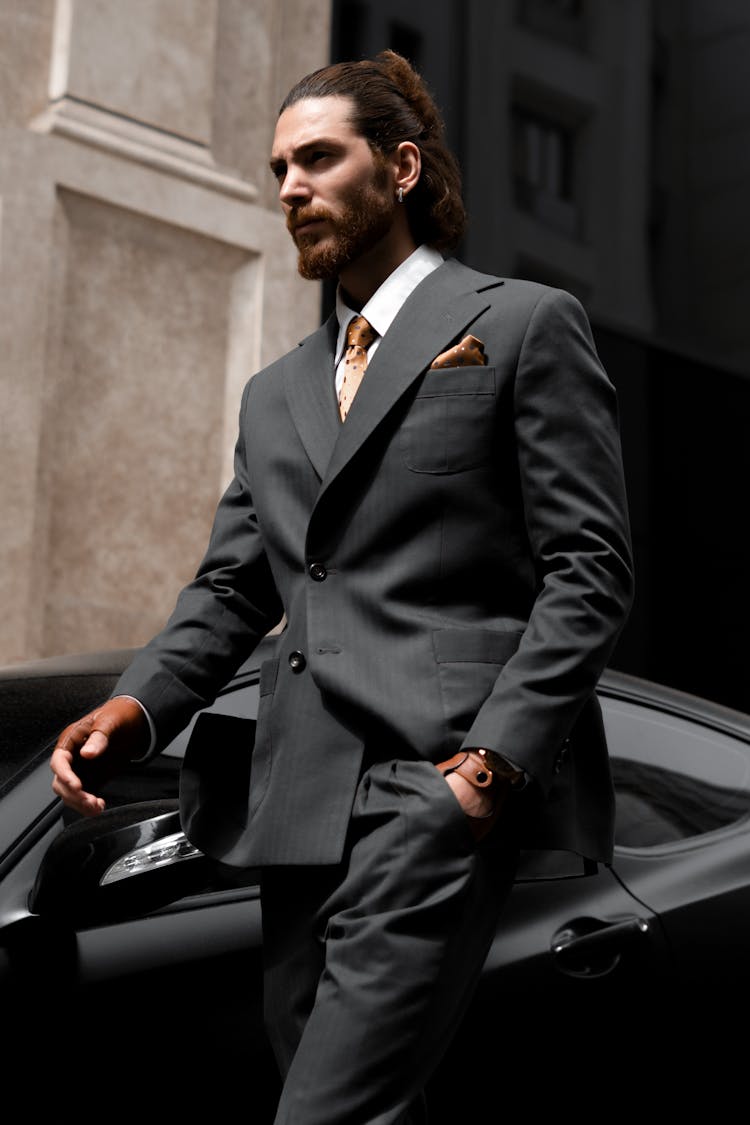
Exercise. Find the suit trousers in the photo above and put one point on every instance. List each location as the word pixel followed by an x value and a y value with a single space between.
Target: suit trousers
pixel 370 964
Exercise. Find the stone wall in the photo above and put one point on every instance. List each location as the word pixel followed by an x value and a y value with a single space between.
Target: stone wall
pixel 146 273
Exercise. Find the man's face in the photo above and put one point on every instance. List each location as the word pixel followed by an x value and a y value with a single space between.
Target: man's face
pixel 336 192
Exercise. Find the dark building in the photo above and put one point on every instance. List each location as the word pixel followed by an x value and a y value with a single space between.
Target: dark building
pixel 606 149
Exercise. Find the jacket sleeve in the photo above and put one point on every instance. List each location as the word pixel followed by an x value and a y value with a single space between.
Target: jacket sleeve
pixel 572 485
pixel 218 618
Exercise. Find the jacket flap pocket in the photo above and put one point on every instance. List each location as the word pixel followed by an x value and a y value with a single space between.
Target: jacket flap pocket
pixel 477 646
pixel 472 380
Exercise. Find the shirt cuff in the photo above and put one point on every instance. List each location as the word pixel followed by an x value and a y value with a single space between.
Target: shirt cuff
pixel 151 727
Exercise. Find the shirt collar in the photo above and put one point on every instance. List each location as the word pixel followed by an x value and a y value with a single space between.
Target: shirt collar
pixel 385 303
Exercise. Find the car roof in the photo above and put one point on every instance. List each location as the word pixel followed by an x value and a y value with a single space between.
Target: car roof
pixel 623 685
pixel 102 662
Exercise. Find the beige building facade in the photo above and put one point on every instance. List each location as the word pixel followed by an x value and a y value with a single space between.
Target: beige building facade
pixel 146 273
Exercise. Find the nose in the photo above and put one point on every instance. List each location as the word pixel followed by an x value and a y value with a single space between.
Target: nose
pixel 294 188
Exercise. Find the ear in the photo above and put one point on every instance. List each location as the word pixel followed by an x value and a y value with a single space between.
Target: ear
pixel 407 166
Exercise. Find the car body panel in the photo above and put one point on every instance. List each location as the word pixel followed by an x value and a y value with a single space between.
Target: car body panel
pixel 639 948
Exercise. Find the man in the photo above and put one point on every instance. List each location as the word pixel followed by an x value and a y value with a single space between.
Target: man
pixel 448 542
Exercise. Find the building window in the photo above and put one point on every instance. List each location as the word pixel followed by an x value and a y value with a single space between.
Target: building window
pixel 543 162
pixel 406 41
pixel 564 20
pixel 350 30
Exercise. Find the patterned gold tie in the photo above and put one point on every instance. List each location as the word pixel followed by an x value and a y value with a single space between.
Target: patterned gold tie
pixel 359 336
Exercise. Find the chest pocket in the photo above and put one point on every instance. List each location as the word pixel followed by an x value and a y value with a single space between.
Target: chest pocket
pixel 451 421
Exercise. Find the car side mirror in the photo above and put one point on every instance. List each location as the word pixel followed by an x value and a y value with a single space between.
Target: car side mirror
pixel 123 863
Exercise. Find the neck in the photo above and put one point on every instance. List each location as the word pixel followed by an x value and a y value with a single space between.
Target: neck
pixel 361 278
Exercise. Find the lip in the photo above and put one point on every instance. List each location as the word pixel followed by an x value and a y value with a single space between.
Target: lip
pixel 305 228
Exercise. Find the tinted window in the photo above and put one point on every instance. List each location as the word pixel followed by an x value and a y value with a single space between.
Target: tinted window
pixel 674 778
pixel 35 709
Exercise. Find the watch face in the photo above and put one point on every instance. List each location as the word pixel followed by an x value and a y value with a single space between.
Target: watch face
pixel 500 767
pixel 480 772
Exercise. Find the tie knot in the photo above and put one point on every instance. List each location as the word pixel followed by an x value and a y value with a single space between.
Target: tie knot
pixel 360 333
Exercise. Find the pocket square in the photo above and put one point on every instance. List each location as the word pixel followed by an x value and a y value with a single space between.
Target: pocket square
pixel 466 353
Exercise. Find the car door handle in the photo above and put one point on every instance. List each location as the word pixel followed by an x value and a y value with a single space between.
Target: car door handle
pixel 589 948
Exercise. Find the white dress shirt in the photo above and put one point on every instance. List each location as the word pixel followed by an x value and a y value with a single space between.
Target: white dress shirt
pixel 381 309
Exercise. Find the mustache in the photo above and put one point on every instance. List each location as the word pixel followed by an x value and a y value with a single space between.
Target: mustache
pixel 300 216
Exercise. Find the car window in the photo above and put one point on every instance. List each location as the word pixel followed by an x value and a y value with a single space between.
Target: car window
pixel 674 778
pixel 35 709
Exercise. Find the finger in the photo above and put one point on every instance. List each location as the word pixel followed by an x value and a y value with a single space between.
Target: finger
pixel 66 783
pixel 61 765
pixel 91 805
pixel 69 743
pixel 75 797
pixel 96 743
pixel 74 737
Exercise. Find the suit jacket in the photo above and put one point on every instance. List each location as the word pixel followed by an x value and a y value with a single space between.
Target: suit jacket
pixel 453 562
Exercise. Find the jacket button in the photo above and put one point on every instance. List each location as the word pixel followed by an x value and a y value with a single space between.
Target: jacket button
pixel 318 572
pixel 297 661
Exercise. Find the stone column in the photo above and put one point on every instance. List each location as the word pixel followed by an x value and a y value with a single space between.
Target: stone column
pixel 146 274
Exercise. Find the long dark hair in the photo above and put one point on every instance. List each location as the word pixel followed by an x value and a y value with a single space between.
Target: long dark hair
pixel 391 104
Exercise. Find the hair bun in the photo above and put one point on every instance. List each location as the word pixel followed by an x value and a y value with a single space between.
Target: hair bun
pixel 412 88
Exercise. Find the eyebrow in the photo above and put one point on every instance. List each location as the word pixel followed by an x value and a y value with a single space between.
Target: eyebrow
pixel 277 162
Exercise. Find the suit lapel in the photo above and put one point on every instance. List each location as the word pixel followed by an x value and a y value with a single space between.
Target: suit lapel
pixel 310 393
pixel 438 311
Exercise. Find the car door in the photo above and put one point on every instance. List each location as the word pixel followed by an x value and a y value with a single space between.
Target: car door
pixel 682 768
pixel 626 988
pixel 160 964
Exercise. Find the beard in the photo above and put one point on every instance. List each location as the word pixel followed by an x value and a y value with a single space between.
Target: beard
pixel 366 217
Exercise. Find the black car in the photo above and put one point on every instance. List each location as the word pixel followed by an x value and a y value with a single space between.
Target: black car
pixel 133 962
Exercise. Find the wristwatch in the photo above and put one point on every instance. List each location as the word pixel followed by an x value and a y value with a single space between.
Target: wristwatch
pixel 481 767
pixel 499 767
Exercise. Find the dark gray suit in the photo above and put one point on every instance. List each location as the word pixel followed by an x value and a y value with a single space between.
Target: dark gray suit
pixel 454 566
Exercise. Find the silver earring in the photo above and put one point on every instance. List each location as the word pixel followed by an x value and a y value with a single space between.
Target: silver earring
pixel 400 194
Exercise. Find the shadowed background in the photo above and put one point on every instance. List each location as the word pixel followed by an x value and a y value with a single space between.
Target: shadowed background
pixel 146 273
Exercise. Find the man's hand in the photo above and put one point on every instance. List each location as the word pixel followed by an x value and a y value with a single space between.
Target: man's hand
pixel 475 802
pixel 120 728
pixel 481 802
